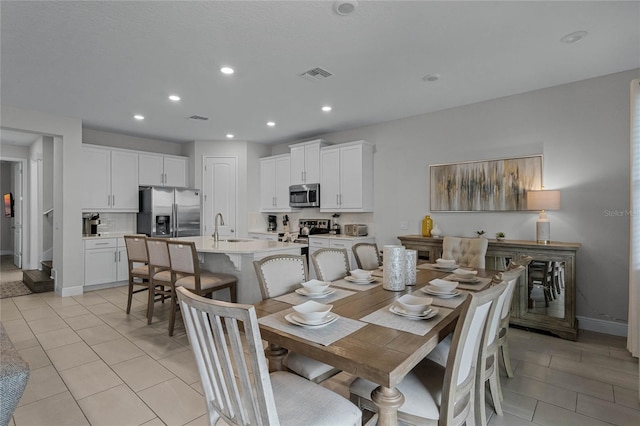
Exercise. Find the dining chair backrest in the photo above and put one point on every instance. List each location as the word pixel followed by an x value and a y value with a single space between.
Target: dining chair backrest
pixel 158 254
pixel 330 264
pixel 280 274
pixel 184 261
pixel 469 334
pixel 366 255
pixel 227 345
pixel 136 246
pixel 511 275
pixel 465 251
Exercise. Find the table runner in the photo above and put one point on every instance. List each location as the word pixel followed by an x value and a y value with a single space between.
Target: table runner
pixel 323 335
pixel 358 287
pixel 296 299
pixel 385 318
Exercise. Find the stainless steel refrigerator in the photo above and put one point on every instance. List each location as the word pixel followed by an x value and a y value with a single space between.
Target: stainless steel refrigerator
pixel 169 212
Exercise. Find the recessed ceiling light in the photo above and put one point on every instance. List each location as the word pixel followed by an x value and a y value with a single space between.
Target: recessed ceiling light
pixel 271 123
pixel 138 117
pixel 227 70
pixel 431 77
pixel 326 108
pixel 574 37
pixel 174 98
pixel 345 7
pixel 229 136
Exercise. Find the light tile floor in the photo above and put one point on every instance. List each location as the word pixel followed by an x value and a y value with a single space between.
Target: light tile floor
pixel 91 363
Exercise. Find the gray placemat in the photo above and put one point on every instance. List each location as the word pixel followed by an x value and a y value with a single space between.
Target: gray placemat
pixel 296 299
pixel 451 302
pixel 385 318
pixel 358 287
pixel 323 335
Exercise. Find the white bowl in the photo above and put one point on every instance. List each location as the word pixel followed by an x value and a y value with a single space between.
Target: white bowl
pixel 443 285
pixel 465 273
pixel 445 262
pixel 312 311
pixel 414 304
pixel 316 286
pixel 360 274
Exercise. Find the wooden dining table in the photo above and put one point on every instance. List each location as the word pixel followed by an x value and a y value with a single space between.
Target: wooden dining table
pixel 375 352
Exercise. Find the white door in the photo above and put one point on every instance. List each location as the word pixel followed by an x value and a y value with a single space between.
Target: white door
pixel 219 194
pixel 17 219
pixel 124 180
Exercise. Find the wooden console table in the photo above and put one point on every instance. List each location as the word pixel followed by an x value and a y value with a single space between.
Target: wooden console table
pixel 545 297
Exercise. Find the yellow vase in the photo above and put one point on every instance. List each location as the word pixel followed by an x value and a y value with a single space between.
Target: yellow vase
pixel 427 225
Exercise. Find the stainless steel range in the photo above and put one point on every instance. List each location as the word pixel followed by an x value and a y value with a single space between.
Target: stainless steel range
pixel 311 227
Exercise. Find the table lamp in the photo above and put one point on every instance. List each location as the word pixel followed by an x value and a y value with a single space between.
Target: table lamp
pixel 543 200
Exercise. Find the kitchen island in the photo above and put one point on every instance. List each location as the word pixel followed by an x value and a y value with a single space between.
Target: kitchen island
pixel 235 256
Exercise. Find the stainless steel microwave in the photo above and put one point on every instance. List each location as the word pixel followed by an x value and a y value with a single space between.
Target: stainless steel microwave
pixel 304 195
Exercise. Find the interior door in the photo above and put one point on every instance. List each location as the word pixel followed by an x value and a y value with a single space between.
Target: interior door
pixel 219 194
pixel 17 219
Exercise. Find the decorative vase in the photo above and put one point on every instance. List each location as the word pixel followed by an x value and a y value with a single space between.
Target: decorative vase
pixel 427 225
pixel 395 267
pixel 411 261
pixel 436 231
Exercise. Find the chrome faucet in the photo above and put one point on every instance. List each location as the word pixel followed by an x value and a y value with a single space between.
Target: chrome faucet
pixel 215 223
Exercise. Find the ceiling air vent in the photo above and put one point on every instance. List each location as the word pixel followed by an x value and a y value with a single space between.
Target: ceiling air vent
pixel 316 74
pixel 198 117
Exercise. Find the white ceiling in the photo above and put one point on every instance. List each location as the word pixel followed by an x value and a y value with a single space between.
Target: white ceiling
pixel 105 61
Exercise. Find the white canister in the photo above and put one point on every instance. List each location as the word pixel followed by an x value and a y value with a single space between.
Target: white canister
pixel 411 261
pixel 394 268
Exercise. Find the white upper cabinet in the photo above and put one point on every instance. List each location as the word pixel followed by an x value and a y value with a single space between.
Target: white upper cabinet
pixel 110 179
pixel 346 177
pixel 305 162
pixel 162 170
pixel 274 183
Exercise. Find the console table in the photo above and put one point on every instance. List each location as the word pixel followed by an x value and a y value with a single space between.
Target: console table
pixel 545 296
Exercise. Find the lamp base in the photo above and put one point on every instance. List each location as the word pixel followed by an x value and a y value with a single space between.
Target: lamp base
pixel 543 229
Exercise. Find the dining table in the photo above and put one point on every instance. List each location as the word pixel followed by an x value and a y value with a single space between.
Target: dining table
pixel 367 340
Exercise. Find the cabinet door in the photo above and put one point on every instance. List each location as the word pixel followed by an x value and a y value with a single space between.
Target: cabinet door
pixel 97 179
pixel 297 165
pixel 330 178
pixel 351 177
pixel 282 179
pixel 267 184
pixel 99 266
pixel 124 181
pixel 175 172
pixel 122 267
pixel 311 163
pixel 151 170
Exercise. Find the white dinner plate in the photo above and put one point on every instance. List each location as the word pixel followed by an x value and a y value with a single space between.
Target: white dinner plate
pixel 439 293
pixel 399 311
pixel 304 292
pixel 463 280
pixel 445 267
pixel 355 281
pixel 296 320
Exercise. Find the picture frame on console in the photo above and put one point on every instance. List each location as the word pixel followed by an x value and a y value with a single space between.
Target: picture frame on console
pixel 484 185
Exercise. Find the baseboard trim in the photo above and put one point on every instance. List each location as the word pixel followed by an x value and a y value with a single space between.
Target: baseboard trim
pixel 603 326
pixel 70 291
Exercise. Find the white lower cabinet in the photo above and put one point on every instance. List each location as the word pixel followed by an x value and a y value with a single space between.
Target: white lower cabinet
pixel 105 261
pixel 340 242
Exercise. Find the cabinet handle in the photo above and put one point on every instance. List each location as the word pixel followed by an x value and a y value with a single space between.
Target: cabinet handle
pixel 165 178
pixel 337 199
pixel 113 202
pixel 115 257
pixel 101 244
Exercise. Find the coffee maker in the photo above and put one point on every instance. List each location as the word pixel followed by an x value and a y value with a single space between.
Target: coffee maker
pixel 90 222
pixel 272 223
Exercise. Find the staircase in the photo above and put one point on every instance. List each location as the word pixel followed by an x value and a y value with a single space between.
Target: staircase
pixel 39 281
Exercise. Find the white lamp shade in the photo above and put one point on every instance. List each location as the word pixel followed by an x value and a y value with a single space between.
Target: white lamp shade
pixel 543 200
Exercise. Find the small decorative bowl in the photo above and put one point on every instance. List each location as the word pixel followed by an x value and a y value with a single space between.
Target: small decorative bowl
pixel 316 286
pixel 360 274
pixel 465 273
pixel 443 285
pixel 414 304
pixel 312 311
pixel 445 262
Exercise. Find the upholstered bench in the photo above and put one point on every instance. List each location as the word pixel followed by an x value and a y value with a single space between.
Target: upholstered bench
pixel 14 374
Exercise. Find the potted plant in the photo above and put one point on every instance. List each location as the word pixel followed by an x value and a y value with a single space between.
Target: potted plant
pixel 500 236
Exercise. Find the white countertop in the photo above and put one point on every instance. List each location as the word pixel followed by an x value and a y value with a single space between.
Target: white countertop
pixel 338 237
pixel 107 235
pixel 205 244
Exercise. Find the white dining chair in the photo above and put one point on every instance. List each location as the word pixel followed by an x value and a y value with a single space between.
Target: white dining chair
pixel 366 255
pixel 465 251
pixel 238 388
pixel 443 395
pixel 515 271
pixel 331 264
pixel 280 274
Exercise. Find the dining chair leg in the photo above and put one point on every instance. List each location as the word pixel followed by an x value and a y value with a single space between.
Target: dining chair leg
pixel 130 296
pixel 233 293
pixel 151 303
pixel 494 385
pixel 506 358
pixel 481 409
pixel 174 304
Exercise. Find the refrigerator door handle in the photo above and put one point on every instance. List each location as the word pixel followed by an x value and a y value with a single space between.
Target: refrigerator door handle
pixel 175 220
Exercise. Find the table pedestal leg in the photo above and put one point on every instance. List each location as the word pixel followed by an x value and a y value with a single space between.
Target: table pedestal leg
pixel 275 354
pixel 388 401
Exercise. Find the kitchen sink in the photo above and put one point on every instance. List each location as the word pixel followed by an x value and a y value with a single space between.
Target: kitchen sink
pixel 235 240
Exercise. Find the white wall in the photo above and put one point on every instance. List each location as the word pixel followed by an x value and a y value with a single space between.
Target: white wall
pixel 582 129
pixel 118 140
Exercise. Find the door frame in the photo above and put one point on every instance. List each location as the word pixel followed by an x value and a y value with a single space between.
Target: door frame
pixel 203 219
pixel 25 208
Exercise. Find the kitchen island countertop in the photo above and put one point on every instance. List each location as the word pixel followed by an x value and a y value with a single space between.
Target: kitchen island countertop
pixel 205 244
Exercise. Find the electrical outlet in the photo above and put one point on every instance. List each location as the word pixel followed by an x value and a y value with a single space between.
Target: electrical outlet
pixel 404 225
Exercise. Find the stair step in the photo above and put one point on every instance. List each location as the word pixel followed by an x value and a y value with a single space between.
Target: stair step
pixel 47 265
pixel 37 281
